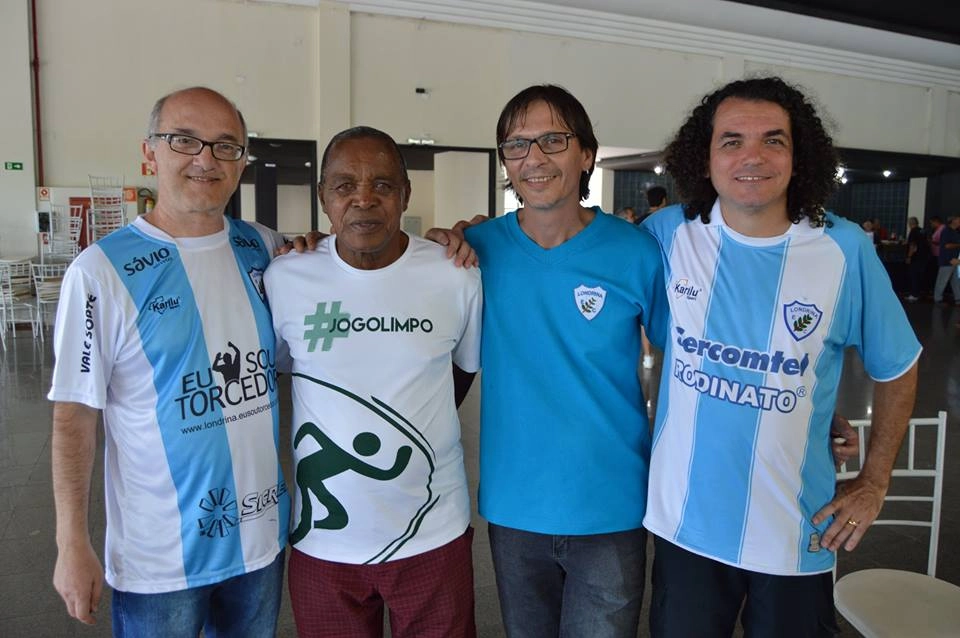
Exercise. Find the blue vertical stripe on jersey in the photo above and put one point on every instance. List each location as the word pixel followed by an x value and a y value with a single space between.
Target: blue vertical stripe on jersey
pixel 817 472
pixel 249 261
pixel 173 346
pixel 743 272
pixel 665 241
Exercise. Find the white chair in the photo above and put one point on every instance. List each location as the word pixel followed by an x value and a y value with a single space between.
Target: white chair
pixel 63 237
pixel 16 306
pixel 892 602
pixel 107 212
pixel 47 279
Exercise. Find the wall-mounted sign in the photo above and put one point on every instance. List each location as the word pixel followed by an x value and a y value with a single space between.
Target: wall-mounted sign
pixel 13 166
pixel 43 194
pixel 146 169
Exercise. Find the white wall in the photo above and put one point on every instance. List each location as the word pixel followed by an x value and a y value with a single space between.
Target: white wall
pixel 106 61
pixel 307 72
pixel 460 187
pixel 17 197
pixel 867 113
pixel 917 200
pixel 422 198
pixel 293 207
pixel 950 119
pixel 486 67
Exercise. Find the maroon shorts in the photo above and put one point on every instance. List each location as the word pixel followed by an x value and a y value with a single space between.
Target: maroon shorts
pixel 429 595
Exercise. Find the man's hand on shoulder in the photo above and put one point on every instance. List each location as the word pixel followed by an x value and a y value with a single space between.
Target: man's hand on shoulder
pixel 302 243
pixel 458 249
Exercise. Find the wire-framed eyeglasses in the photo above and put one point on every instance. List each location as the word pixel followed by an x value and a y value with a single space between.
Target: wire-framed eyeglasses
pixel 549 143
pixel 190 145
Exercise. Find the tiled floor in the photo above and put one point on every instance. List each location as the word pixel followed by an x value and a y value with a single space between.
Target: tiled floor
pixel 30 607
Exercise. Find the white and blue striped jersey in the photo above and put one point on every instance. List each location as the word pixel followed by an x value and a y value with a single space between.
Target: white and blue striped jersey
pixel 172 339
pixel 741 456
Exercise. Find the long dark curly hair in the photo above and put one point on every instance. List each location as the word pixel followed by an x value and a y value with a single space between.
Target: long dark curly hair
pixel 814 158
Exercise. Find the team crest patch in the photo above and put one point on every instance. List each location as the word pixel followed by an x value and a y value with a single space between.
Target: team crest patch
pixel 589 300
pixel 802 319
pixel 256 278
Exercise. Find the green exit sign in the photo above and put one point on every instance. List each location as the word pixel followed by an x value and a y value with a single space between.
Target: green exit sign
pixel 13 166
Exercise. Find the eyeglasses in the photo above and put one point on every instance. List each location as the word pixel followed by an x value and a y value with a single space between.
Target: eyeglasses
pixel 190 145
pixel 549 143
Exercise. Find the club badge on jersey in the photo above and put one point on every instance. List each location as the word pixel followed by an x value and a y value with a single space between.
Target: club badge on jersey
pixel 589 300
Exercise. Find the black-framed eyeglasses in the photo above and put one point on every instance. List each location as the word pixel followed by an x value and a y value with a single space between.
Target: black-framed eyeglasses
pixel 549 143
pixel 190 145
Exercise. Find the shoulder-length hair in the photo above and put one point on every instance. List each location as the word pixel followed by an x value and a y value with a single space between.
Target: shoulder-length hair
pixel 814 158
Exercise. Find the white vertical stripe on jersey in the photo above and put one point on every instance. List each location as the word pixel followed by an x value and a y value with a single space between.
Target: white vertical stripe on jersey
pixel 219 269
pixel 781 451
pixel 673 476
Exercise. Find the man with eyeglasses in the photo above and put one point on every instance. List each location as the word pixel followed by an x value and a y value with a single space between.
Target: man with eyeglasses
pixel 164 326
pixel 564 438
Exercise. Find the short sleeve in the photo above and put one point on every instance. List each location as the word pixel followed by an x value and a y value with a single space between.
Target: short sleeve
pixel 466 355
pixel 85 341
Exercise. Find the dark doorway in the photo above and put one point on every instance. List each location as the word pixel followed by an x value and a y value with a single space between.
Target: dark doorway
pixel 420 158
pixel 273 163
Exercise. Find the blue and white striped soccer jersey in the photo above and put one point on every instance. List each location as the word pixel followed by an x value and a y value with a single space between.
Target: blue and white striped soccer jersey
pixel 172 339
pixel 741 455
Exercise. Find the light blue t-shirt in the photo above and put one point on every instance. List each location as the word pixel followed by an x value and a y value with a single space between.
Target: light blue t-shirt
pixel 564 438
pixel 741 456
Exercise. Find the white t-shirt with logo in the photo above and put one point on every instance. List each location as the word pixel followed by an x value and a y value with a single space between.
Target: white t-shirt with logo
pixel 379 465
pixel 172 339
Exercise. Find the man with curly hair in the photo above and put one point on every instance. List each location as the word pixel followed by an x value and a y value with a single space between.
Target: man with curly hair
pixel 766 291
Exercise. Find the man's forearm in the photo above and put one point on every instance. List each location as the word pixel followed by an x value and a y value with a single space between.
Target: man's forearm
pixel 73 449
pixel 892 407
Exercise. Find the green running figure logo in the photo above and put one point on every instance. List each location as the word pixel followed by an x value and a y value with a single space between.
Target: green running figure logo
pixel 330 459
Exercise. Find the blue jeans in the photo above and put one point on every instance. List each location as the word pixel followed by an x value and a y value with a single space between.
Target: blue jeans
pixel 244 606
pixel 569 586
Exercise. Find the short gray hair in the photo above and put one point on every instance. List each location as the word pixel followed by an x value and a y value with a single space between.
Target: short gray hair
pixel 153 124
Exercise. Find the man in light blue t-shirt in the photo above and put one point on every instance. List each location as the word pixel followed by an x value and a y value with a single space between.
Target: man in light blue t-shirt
pixel 564 437
pixel 766 291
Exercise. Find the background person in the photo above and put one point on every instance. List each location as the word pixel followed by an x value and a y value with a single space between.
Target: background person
pixel 949 249
pixel 918 256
